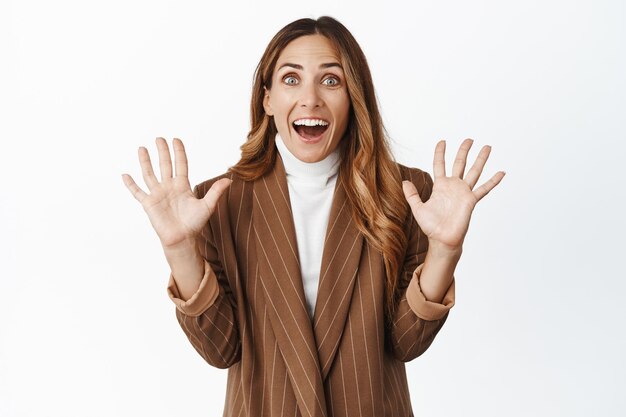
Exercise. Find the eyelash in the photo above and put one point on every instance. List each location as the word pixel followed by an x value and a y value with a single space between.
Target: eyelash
pixel 330 77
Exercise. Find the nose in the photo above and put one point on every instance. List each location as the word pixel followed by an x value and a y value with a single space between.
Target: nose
pixel 310 96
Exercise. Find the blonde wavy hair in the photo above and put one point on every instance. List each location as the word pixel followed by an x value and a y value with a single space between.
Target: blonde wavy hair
pixel 368 169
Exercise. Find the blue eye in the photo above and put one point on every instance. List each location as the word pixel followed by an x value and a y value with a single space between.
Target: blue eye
pixel 334 80
pixel 290 77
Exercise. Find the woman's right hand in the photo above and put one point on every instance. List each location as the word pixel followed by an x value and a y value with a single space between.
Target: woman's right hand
pixel 175 213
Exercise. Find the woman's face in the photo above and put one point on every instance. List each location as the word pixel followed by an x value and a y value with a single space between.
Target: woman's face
pixel 309 98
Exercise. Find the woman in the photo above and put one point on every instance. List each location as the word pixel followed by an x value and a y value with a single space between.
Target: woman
pixel 312 280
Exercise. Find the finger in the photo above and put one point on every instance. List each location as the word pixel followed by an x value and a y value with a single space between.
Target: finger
pixel 458 169
pixel 484 189
pixel 165 160
pixel 146 168
pixel 215 192
pixel 439 162
pixel 180 158
pixel 477 168
pixel 411 195
pixel 137 192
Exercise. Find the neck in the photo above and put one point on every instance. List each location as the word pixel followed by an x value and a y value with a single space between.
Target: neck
pixel 294 167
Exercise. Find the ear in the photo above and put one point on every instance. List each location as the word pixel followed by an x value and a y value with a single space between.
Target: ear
pixel 266 102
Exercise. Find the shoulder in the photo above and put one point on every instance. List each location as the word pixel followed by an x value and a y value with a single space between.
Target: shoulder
pixel 233 204
pixel 421 179
pixel 237 184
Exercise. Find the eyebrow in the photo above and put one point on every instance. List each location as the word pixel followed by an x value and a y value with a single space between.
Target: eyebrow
pixel 300 67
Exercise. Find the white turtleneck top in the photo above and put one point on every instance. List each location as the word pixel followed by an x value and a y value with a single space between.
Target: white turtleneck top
pixel 311 188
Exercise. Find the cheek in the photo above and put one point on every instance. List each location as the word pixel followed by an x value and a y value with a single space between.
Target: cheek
pixel 342 107
pixel 341 101
pixel 342 112
pixel 280 103
pixel 281 111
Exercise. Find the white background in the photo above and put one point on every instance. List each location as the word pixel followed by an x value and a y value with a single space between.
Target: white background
pixel 86 328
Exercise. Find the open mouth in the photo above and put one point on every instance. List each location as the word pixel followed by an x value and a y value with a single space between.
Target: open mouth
pixel 310 130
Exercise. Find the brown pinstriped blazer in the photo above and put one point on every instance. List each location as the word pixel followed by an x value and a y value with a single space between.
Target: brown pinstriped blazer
pixel 249 314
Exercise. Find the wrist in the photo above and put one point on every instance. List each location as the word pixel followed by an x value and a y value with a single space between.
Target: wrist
pixel 440 250
pixel 185 249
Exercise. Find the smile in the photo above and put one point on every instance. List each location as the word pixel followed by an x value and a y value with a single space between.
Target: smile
pixel 310 130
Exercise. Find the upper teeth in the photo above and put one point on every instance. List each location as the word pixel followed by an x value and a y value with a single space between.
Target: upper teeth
pixel 310 122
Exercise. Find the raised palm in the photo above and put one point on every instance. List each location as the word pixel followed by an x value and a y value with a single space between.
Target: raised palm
pixel 445 217
pixel 175 213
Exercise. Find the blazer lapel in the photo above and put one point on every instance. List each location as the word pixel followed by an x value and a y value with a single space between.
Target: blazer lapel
pixel 340 262
pixel 279 274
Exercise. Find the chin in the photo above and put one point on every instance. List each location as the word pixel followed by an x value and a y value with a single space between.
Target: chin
pixel 305 152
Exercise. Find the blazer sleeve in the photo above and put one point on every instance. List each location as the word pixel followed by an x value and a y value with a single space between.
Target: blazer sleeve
pixel 417 320
pixel 208 318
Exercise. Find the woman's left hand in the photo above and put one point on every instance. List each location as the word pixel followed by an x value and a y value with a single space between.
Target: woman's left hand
pixel 445 217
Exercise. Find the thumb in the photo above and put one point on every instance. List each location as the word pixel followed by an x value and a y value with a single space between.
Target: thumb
pixel 213 195
pixel 411 195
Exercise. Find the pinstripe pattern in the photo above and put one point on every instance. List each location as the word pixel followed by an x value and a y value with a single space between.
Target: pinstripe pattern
pixel 250 314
